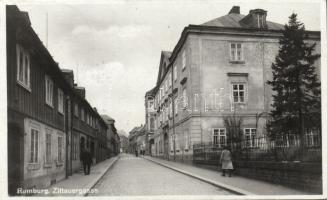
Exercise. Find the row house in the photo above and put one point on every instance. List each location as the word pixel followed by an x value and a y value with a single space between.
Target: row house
pixel 49 120
pixel 137 139
pixel 123 144
pixel 150 117
pixel 113 139
pixel 216 70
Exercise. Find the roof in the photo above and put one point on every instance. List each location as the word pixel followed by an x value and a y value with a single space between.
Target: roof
pixel 107 119
pixel 163 66
pixel 232 20
pixel 151 92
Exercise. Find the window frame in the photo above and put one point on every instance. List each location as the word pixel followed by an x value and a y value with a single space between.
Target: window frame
pixel 184 59
pixel 60 149
pixel 175 73
pixel 235 57
pixel 253 143
pixel 49 86
pixel 60 101
pixel 48 147
pixel 26 68
pixel 216 138
pixel 238 93
pixel 34 148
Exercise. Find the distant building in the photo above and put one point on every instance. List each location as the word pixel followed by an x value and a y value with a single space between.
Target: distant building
pixel 123 144
pixel 137 139
pixel 113 141
pixel 150 117
pixel 216 70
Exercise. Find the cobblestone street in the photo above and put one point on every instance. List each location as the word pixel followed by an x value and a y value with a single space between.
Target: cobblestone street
pixel 136 176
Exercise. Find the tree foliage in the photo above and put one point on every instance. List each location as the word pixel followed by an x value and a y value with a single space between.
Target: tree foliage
pixel 296 88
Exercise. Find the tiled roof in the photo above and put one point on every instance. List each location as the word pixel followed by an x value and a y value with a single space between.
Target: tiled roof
pixel 233 20
pixel 107 119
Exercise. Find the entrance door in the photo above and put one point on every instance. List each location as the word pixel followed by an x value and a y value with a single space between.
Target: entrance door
pixel 166 146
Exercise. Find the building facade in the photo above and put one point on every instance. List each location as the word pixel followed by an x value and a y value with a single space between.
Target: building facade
pixel 113 140
pixel 123 144
pixel 49 120
pixel 217 70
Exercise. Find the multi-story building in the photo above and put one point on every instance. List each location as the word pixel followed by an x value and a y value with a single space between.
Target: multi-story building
pixel 150 117
pixel 137 139
pixel 216 70
pixel 113 142
pixel 123 144
pixel 49 120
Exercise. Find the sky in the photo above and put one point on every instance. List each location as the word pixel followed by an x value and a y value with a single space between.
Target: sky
pixel 114 46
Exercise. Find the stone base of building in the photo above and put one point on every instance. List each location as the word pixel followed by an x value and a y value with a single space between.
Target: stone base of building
pixel 44 181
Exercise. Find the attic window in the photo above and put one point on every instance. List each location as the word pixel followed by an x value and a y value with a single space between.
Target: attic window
pixel 261 23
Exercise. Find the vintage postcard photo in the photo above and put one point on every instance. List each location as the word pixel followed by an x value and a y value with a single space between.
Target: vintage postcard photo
pixel 164 99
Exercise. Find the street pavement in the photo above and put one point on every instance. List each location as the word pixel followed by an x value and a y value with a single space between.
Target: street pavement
pixel 137 176
pixel 245 185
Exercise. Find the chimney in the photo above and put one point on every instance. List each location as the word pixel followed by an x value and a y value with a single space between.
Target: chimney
pixel 80 91
pixel 234 10
pixel 255 19
pixel 69 76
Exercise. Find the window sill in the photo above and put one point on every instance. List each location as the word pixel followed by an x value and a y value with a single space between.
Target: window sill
pixel 48 104
pixel 237 61
pixel 47 165
pixel 33 166
pixel 58 164
pixel 28 88
pixel 62 113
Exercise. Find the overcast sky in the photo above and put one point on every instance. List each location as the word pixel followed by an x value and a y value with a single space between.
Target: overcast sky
pixel 114 48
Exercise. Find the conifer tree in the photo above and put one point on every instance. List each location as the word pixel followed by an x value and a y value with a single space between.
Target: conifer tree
pixel 296 89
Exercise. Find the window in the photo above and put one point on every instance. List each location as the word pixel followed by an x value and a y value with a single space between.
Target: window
pixel 183 60
pixel 48 91
pixel 169 80
pixel 171 109
pixel 219 137
pixel 176 105
pixel 186 145
pixel 48 146
pixel 34 152
pixel 60 101
pixel 249 136
pixel 175 73
pixel 23 67
pixel 60 160
pixel 236 52
pixel 151 124
pixel 184 98
pixel 76 110
pixel 82 114
pixel 312 138
pixel 75 143
pixel 238 93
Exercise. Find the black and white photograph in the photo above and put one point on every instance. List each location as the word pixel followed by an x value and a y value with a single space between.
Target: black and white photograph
pixel 175 99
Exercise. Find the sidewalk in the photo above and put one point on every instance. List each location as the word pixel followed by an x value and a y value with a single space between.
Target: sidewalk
pixel 237 184
pixel 79 184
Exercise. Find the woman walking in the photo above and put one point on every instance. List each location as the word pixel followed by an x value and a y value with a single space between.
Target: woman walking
pixel 226 161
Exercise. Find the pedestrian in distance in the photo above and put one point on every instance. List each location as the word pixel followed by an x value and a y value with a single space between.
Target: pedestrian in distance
pixel 87 161
pixel 226 161
pixel 136 153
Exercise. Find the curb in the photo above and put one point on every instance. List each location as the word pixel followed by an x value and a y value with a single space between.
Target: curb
pixel 99 178
pixel 215 183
